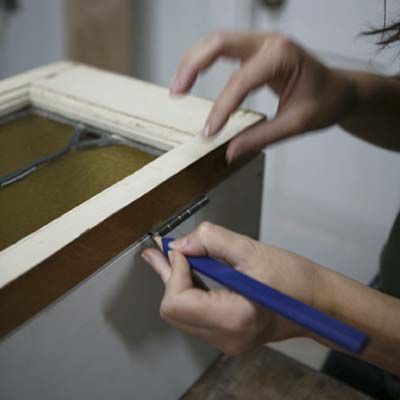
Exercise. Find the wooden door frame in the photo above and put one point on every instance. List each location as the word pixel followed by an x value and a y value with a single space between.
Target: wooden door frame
pixel 98 33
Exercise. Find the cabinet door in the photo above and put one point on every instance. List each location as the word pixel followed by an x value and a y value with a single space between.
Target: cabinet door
pixel 330 196
pixel 105 338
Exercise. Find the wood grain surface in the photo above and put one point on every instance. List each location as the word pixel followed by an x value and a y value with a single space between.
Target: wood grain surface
pixel 98 33
pixel 269 375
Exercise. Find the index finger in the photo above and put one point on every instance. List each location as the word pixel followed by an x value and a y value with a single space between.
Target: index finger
pixel 215 241
pixel 207 50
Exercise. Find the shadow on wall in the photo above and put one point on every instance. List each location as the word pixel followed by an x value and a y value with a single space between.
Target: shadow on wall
pixel 133 308
pixel 133 313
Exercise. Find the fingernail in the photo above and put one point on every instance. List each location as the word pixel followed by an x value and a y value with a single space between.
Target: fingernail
pixel 179 243
pixel 175 85
pixel 175 95
pixel 146 257
pixel 171 257
pixel 229 157
pixel 206 130
pixel 173 91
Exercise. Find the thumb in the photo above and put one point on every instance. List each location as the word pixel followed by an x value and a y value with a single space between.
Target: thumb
pixel 181 278
pixel 215 241
pixel 286 124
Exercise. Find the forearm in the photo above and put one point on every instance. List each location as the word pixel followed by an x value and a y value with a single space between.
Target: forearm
pixel 375 115
pixel 375 313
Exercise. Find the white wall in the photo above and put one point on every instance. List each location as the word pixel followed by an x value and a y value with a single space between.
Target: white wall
pixel 164 29
pixel 31 36
pixel 330 196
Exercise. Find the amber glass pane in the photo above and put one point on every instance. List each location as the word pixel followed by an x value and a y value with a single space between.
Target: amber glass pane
pixel 59 186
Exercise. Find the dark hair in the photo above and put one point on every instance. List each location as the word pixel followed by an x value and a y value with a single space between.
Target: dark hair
pixel 388 34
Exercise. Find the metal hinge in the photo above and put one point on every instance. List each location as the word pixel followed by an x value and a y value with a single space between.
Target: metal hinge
pixel 181 216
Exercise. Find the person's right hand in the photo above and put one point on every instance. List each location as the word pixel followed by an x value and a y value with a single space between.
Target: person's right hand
pixel 311 95
pixel 221 317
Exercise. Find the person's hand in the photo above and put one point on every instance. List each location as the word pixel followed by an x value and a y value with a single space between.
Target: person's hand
pixel 221 317
pixel 311 95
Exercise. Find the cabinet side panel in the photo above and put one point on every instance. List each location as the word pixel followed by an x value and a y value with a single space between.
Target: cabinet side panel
pixel 105 338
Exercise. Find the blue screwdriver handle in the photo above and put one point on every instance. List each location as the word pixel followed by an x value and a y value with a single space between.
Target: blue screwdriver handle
pixel 322 324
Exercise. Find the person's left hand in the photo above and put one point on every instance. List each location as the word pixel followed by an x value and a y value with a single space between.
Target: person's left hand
pixel 311 95
pixel 224 318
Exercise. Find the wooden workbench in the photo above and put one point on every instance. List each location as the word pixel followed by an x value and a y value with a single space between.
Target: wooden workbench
pixel 267 374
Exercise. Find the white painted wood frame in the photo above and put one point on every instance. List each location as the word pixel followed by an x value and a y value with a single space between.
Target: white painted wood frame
pixel 135 109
